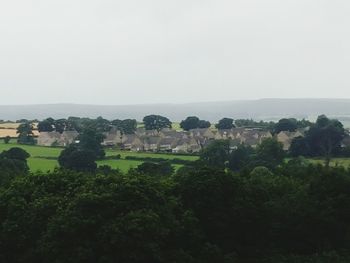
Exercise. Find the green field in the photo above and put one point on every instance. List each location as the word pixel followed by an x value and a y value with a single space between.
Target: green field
pixel 40 157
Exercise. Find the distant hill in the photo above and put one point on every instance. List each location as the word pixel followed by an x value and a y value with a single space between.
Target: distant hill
pixel 266 109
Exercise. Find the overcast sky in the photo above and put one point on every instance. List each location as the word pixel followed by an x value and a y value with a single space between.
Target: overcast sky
pixel 150 51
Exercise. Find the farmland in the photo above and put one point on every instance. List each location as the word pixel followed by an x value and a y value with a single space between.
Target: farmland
pixel 45 158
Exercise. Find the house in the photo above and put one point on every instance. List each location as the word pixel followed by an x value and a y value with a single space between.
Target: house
pixel 286 138
pixel 68 137
pixel 167 144
pixel 151 143
pixel 225 134
pixel 133 143
pixel 114 137
pixel 202 133
pixel 49 138
pixel 57 139
pixel 186 145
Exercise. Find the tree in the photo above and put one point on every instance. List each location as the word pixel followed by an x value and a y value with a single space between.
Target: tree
pixel 194 122
pixel 90 140
pixel 286 125
pixel 127 126
pixel 202 124
pixel 324 137
pixel 25 133
pixel 7 139
pixel 156 122
pixel 299 147
pixel 46 125
pixel 269 153
pixel 15 153
pixel 74 158
pixel 190 123
pixel 225 123
pixel 216 154
pixel 60 125
pixel 13 163
pixel 240 157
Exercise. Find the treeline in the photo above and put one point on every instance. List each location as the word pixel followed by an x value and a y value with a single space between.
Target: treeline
pixel 324 138
pixel 158 122
pixel 289 212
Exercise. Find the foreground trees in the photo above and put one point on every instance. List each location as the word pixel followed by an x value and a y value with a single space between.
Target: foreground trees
pixel 295 212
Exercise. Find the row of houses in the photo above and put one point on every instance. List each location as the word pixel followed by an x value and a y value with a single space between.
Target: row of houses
pixel 168 140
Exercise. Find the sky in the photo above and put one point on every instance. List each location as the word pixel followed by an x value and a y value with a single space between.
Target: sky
pixel 161 51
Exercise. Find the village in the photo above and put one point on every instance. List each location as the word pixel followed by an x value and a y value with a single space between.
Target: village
pixel 173 141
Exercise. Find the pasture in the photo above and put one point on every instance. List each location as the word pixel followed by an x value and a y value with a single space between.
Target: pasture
pixel 45 158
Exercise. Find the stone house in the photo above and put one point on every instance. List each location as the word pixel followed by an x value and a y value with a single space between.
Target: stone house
pixel 167 144
pixel 186 145
pixel 286 138
pixel 49 138
pixel 132 143
pixel 56 138
pixel 151 143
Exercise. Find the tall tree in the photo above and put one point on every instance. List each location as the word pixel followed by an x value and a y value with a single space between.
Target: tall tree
pixel 90 140
pixel 156 122
pixel 75 158
pixel 25 133
pixel 47 125
pixel 225 123
pixel 202 124
pixel 270 153
pixel 325 137
pixel 290 125
pixel 191 122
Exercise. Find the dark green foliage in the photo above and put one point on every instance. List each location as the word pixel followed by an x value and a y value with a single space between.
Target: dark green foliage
pixel 216 154
pixel 155 169
pixel 202 124
pixel 15 153
pixel 240 157
pixel 266 211
pixel 127 126
pixel 83 155
pixel 299 147
pixel 90 140
pixel 47 125
pixel 158 160
pixel 75 158
pixel 286 125
pixel 322 139
pixel 269 153
pixel 189 123
pixel 25 133
pixel 194 122
pixel 156 122
pixel 70 217
pixel 225 123
pixel 13 163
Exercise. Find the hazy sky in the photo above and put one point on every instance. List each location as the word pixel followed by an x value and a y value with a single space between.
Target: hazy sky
pixel 147 51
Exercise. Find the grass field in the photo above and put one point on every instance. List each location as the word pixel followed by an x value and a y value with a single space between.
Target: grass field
pixel 334 162
pixel 39 157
